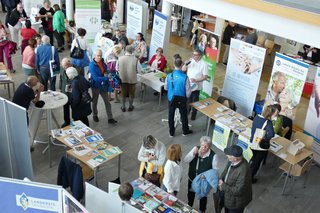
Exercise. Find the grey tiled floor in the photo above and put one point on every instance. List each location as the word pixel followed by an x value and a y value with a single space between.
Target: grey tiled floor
pixel 146 119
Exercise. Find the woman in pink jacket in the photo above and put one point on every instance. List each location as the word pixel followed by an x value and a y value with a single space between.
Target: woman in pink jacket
pixel 29 58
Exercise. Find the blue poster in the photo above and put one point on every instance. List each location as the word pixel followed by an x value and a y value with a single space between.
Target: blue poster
pixel 23 196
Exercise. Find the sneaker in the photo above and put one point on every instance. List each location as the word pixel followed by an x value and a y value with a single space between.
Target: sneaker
pixel 130 108
pixel 187 133
pixel 112 121
pixel 95 118
pixel 12 71
pixel 193 117
pixel 123 109
pixel 65 124
pixel 171 135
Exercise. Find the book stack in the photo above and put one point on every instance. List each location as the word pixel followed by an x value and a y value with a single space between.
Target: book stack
pixel 150 198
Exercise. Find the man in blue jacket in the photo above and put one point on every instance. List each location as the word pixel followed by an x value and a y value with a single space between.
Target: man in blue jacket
pixel 178 86
pixel 100 85
pixel 43 57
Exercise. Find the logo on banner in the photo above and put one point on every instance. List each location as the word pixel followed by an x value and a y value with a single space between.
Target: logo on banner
pixel 278 62
pixel 131 7
pixel 24 201
pixel 157 21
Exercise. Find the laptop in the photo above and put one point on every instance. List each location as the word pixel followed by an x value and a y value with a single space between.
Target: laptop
pixel 295 147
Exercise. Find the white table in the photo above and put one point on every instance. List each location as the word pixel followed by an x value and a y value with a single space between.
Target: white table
pixel 152 80
pixel 53 100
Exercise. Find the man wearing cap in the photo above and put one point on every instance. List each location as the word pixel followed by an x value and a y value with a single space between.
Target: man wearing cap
pixel 235 182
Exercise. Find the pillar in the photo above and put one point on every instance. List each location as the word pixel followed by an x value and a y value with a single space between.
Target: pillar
pixel 218 29
pixel 69 10
pixel 166 10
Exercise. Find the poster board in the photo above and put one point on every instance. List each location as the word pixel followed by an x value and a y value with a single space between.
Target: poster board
pixel 208 45
pixel 245 144
pixel 286 84
pixel 88 16
pixel 24 196
pixel 243 75
pixel 158 32
pixel 312 122
pixel 220 135
pixel 137 17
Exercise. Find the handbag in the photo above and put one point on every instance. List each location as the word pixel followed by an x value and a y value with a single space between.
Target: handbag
pixel 86 97
pixel 259 135
pixel 153 177
pixel 77 52
pixel 54 68
pixel 176 99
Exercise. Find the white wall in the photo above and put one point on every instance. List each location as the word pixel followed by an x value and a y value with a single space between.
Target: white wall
pixel 291 29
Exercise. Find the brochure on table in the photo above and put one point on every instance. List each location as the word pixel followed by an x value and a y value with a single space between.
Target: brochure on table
pixel 286 84
pixel 312 122
pixel 243 75
pixel 208 45
pixel 220 136
pixel 158 32
pixel 28 196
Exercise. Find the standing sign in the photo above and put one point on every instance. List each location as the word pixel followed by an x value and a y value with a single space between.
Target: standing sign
pixel 134 19
pixel 23 196
pixel 88 16
pixel 312 122
pixel 158 32
pixel 243 75
pixel 244 143
pixel 220 135
pixel 286 84
pixel 207 44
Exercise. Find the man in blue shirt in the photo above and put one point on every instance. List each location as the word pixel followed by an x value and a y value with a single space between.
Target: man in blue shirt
pixel 43 57
pixel 178 86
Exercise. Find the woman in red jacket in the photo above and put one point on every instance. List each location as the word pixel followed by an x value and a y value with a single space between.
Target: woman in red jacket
pixel 158 61
pixel 26 34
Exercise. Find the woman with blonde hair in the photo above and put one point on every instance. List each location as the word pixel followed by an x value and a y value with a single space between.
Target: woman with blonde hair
pixel 173 170
pixel 263 122
pixel 114 76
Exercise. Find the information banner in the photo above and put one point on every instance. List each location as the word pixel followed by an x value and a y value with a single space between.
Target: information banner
pixel 312 122
pixel 24 196
pixel 70 204
pixel 134 19
pixel 208 45
pixel 158 32
pixel 220 135
pixel 286 84
pixel 88 16
pixel 243 75
pixel 244 143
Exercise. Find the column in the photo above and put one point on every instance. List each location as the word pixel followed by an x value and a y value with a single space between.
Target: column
pixel 166 10
pixel 120 8
pixel 218 29
pixel 69 10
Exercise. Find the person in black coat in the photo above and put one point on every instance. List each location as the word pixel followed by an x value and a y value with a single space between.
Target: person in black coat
pixel 10 5
pixel 80 85
pixel 17 16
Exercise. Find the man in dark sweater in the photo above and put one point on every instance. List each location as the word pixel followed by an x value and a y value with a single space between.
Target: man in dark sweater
pixel 228 33
pixel 235 181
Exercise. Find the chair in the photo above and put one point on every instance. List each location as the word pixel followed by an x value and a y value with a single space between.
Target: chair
pixel 297 170
pixel 268 44
pixel 284 131
pixel 227 102
pixel 306 139
pixel 287 122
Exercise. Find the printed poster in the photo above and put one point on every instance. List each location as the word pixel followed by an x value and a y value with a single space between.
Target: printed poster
pixel 158 32
pixel 24 196
pixel 208 45
pixel 88 16
pixel 134 19
pixel 243 75
pixel 244 143
pixel 312 122
pixel 220 135
pixel 286 84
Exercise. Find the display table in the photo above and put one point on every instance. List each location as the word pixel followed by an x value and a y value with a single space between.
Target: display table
pixel 6 79
pixel 152 79
pixel 53 100
pixel 93 153
pixel 150 198
pixel 287 157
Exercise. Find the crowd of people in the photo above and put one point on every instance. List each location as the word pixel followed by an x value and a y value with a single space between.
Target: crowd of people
pixel 115 71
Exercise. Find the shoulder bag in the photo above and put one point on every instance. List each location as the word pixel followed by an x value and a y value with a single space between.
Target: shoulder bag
pixel 86 97
pixel 259 141
pixel 77 52
pixel 54 68
pixel 176 99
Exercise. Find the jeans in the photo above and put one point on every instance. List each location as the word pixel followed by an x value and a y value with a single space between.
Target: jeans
pixel 95 97
pixel 60 38
pixel 45 77
pixel 28 71
pixel 256 160
pixel 184 117
pixel 191 196
pixel 194 97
